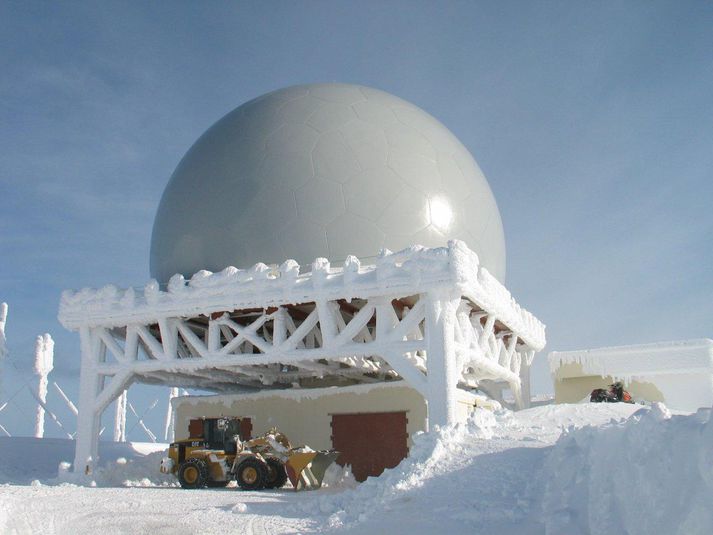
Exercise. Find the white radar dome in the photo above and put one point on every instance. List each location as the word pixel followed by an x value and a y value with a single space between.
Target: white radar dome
pixel 322 170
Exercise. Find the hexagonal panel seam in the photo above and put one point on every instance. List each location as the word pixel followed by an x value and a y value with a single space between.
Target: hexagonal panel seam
pixel 332 128
pixel 295 123
pixel 322 99
pixel 423 134
pixel 435 151
pixel 347 145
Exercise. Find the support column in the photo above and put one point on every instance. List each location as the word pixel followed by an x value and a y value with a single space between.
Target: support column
pixel 525 364
pixel 3 321
pixel 441 355
pixel 88 420
pixel 327 322
pixel 120 418
pixel 279 327
pixel 168 430
pixel 3 343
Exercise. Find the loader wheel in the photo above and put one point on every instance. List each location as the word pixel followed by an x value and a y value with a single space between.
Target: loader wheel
pixel 193 474
pixel 276 474
pixel 251 474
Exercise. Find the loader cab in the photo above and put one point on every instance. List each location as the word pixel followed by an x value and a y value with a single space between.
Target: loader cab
pixel 219 433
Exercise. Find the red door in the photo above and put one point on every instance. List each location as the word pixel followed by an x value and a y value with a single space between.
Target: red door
pixel 370 442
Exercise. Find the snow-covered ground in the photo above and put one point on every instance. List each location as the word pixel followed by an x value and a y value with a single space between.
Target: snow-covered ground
pixel 631 472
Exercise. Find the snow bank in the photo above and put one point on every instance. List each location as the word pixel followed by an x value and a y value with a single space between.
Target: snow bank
pixel 552 420
pixel 640 471
pixel 142 471
pixel 122 464
pixel 481 476
pixel 428 457
pixel 651 474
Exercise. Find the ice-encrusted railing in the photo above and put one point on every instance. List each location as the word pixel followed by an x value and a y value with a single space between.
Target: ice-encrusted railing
pixel 492 296
pixel 413 270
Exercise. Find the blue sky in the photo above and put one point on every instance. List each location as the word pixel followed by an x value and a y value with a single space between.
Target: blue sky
pixel 592 121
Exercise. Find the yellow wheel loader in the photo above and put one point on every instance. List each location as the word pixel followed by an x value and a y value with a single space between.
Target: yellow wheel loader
pixel 219 455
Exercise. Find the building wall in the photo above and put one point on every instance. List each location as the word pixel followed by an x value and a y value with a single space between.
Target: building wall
pixel 305 415
pixel 686 391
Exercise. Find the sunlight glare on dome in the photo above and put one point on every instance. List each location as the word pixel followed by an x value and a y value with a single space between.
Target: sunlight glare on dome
pixel 441 214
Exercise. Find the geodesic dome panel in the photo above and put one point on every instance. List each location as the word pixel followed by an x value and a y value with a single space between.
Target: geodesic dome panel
pixel 322 170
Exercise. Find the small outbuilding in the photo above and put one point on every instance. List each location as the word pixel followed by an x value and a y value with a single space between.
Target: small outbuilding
pixel 679 374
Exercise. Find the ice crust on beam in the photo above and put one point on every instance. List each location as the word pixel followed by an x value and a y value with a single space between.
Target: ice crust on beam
pixel 627 362
pixel 410 271
pixel 298 394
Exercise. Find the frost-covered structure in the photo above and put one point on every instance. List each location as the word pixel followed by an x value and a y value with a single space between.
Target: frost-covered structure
pixel 320 171
pixel 44 364
pixel 3 321
pixel 679 374
pixel 3 341
pixel 433 318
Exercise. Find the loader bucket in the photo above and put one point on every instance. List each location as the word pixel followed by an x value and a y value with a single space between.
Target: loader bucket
pixel 306 469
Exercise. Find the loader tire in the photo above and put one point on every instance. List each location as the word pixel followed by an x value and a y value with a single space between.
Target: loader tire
pixel 251 474
pixel 193 474
pixel 276 474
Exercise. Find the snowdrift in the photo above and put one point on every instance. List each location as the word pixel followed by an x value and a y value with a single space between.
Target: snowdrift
pixel 26 459
pixel 480 476
pixel 650 474
pixel 431 455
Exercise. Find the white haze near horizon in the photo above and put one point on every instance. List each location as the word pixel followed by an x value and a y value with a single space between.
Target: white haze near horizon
pixel 592 122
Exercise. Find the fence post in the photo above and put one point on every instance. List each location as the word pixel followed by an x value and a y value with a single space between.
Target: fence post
pixel 44 363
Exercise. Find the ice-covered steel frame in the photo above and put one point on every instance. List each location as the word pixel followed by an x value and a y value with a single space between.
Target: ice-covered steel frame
pixel 432 317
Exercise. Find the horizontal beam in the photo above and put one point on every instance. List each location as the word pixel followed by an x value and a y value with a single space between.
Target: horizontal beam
pixel 282 357
pixel 490 368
